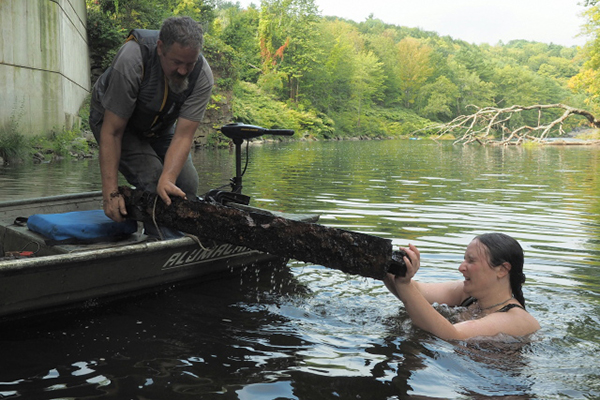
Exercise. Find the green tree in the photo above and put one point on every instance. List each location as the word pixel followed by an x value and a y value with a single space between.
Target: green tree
pixel 559 68
pixel 439 98
pixel 367 82
pixel 239 30
pixel 516 85
pixel 368 74
pixel 476 59
pixel 385 47
pixel 109 21
pixel 472 90
pixel 413 68
pixel 202 11
pixel 287 38
pixel 588 78
pixel 331 76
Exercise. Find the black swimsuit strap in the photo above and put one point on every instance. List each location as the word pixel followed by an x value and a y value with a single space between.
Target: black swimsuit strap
pixel 508 307
pixel 468 301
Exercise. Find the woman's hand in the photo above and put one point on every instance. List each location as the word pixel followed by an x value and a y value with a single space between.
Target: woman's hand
pixel 412 261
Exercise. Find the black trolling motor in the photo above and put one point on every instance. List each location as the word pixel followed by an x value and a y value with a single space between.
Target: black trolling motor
pixel 238 133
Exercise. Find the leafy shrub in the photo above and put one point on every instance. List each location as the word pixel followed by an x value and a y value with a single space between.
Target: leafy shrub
pixel 66 142
pixel 13 146
pixel 222 59
pixel 251 106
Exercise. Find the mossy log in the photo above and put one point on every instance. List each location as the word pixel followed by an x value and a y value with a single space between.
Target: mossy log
pixel 350 252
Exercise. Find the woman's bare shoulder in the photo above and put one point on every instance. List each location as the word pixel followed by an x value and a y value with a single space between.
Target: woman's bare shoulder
pixel 515 322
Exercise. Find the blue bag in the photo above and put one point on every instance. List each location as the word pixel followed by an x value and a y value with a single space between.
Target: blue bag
pixel 80 227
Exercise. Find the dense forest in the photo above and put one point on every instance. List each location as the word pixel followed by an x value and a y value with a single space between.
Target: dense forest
pixel 282 64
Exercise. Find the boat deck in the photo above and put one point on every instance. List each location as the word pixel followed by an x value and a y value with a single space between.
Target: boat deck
pixel 16 238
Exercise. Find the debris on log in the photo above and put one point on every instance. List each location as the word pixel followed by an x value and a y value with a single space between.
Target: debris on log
pixel 347 251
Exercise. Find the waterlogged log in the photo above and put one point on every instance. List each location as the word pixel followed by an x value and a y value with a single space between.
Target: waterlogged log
pixel 351 252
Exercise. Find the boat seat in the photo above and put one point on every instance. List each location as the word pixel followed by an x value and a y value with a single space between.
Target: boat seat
pixel 17 238
pixel 76 227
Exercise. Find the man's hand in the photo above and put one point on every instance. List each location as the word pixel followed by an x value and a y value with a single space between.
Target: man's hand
pixel 176 156
pixel 114 207
pixel 166 188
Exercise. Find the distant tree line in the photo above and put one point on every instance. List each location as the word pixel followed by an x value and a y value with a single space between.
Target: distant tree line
pixel 286 65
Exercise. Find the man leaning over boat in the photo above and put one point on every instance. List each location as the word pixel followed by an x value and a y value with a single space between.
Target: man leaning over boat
pixel 145 109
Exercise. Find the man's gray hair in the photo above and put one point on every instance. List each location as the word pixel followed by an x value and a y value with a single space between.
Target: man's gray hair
pixel 182 30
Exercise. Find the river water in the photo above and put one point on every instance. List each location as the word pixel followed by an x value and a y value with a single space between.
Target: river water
pixel 307 332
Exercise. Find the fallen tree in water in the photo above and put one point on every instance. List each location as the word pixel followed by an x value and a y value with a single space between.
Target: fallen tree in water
pixel 485 123
pixel 351 252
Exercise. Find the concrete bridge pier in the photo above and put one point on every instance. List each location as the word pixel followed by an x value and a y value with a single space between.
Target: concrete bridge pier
pixel 44 64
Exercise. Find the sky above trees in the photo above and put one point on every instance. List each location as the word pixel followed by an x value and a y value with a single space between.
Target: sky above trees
pixel 475 21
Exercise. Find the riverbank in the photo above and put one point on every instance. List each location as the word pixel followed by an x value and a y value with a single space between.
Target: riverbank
pixel 83 145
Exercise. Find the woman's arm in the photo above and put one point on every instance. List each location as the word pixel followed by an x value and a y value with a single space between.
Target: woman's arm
pixel 450 293
pixel 423 314
pixel 426 317
pixel 516 322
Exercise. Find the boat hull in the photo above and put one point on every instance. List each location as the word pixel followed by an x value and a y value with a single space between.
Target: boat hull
pixel 75 274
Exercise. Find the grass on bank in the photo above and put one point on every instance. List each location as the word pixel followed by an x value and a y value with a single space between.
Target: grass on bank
pixel 249 105
pixel 590 134
pixel 16 147
pixel 13 145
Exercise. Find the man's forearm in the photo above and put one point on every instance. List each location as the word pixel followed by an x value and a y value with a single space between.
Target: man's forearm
pixel 111 136
pixel 110 153
pixel 179 149
pixel 176 156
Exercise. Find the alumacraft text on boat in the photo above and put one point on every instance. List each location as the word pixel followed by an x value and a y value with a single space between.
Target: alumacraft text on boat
pixel 185 258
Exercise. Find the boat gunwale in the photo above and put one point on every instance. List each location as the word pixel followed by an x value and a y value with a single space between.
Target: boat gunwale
pixel 58 260
pixel 15 266
pixel 51 199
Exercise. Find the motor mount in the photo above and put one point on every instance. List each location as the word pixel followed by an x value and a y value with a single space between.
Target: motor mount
pixel 238 133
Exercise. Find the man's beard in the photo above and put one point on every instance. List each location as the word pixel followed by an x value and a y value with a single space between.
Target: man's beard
pixel 178 83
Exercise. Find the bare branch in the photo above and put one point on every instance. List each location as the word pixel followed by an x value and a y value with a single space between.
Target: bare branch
pixel 480 126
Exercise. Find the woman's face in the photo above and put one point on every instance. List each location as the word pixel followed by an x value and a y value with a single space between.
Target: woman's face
pixel 478 274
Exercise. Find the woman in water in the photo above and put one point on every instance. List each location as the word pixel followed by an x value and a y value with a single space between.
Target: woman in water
pixel 491 291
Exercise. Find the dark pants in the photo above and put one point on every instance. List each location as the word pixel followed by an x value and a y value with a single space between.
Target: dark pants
pixel 142 159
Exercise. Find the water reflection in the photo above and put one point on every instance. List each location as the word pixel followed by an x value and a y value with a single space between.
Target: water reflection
pixel 26 180
pixel 307 332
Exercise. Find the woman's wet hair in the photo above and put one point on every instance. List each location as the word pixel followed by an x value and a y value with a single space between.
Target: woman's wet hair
pixel 182 30
pixel 502 248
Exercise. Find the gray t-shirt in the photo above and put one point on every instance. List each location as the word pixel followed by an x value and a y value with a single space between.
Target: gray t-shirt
pixel 125 79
